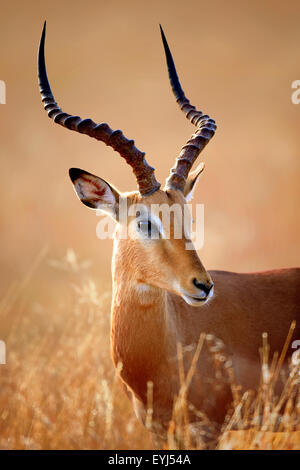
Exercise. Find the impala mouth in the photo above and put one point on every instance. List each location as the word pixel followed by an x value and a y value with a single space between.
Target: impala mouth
pixel 193 300
pixel 196 300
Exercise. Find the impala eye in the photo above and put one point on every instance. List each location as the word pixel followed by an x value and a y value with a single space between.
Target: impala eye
pixel 147 229
pixel 144 227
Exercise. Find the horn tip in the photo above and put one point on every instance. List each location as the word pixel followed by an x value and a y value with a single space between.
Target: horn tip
pixel 162 35
pixel 44 28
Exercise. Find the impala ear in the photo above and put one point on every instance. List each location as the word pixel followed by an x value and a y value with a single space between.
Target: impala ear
pixel 94 192
pixel 191 181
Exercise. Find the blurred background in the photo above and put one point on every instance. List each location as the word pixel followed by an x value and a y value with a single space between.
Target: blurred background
pixel 236 61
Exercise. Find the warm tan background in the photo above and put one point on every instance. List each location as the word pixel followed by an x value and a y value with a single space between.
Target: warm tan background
pixel 237 60
pixel 105 60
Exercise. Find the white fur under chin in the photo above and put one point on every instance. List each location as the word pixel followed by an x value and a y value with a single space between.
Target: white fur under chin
pixel 145 293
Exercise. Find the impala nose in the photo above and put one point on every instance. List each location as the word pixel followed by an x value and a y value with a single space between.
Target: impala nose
pixel 206 288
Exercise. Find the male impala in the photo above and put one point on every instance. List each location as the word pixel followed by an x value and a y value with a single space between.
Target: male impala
pixel 162 294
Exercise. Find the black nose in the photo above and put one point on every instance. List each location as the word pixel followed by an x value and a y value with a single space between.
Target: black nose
pixel 202 286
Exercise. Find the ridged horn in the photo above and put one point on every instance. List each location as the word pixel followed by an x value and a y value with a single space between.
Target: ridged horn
pixel 144 173
pixel 206 128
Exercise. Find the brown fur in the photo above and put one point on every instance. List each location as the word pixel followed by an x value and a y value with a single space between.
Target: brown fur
pixel 147 326
pixel 150 316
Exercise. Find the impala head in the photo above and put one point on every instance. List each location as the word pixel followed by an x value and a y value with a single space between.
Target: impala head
pixel 154 245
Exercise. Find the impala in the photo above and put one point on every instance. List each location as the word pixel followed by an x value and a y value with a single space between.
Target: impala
pixel 162 294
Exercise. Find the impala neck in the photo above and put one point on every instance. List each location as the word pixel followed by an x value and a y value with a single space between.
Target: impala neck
pixel 141 329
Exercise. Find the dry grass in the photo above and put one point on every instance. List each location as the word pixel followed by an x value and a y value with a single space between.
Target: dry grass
pixel 58 389
pixel 258 419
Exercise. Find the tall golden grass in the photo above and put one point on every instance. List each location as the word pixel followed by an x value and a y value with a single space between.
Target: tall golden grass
pixel 59 390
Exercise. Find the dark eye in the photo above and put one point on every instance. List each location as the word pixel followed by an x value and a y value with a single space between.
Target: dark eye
pixel 148 230
pixel 145 227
